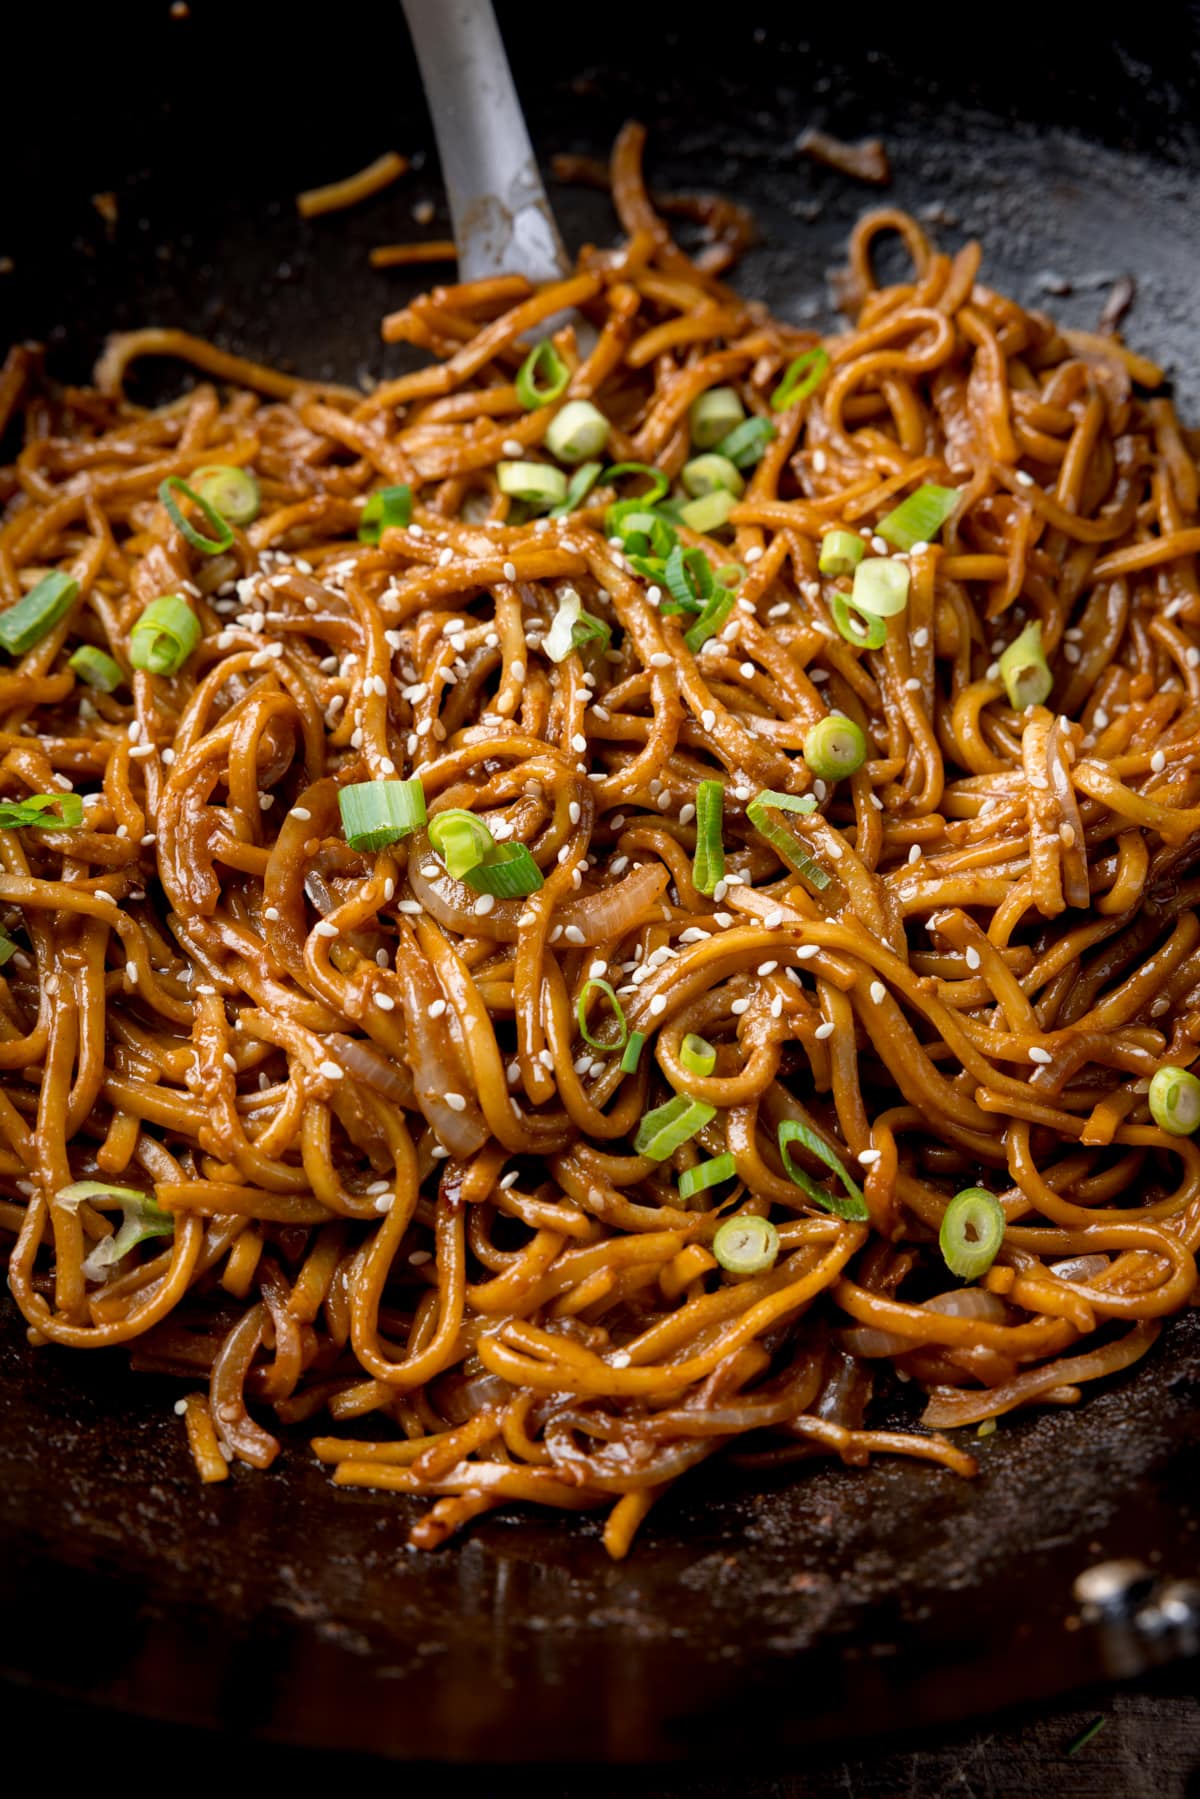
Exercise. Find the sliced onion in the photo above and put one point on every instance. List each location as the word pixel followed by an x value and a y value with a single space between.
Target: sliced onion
pixel 462 1399
pixel 968 1302
pixel 1072 856
pixel 369 1065
pixel 870 1344
pixel 599 916
pixel 847 1390
pixel 1080 1268
pixel 436 1068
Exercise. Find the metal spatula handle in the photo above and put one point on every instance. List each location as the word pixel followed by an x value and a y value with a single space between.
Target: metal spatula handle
pixel 502 219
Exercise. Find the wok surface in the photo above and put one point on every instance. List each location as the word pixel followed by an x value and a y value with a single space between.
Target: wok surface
pixel 834 1602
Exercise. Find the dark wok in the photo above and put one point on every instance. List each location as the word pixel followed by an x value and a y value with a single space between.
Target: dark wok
pixel 835 1603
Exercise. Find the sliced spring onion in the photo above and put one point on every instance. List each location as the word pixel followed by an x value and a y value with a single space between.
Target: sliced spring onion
pixel 136 1227
pixel 633 1052
pixel 745 444
pixel 376 813
pixel 230 491
pixel 706 1174
pixel 588 629
pixel 387 509
pixel 618 1013
pixel 710 511
pixel 880 587
pixel 96 667
pixel 662 1130
pixel 164 636
pixel 853 1206
pixel 786 845
pixel 72 1196
pixel 866 633
pixel 708 474
pixel 559 640
pixel 1024 669
pixel 920 517
pixel 572 628
pixel 8 948
pixel 141 1219
pixel 580 430
pixel 510 872
pixel 835 747
pixel 716 610
pixel 714 415
pixel 689 577
pixel 222 533
pixel 36 812
pixel 801 378
pixel 708 863
pixel 1175 1101
pixel 659 483
pixel 461 839
pixel 971 1233
pixel 37 612
pixel 542 377
pixel 539 484
pixel 697 1056
pixel 747 1244
pixel 730 574
pixel 578 489
pixel 841 552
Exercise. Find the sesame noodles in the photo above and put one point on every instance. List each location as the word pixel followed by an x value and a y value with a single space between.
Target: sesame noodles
pixel 448 1162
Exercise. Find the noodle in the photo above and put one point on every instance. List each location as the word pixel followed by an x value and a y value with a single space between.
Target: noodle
pixel 336 196
pixel 394 1180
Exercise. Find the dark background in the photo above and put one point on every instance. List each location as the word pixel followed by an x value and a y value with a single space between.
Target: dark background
pixel 780 1630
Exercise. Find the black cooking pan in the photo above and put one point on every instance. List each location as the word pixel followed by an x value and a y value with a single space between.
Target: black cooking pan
pixel 827 1604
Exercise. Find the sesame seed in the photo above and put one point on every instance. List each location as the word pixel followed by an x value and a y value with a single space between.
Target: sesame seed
pixel 1192 656
pixel 754 554
pixel 766 968
pixel 780 609
pixel 437 1008
pixel 823 1030
pixel 912 685
pixel 973 957
pixel 658 1006
pixel 739 1006
pixel 1158 761
pixel 708 718
pixel 920 637
pixel 483 905
pixel 510 571
pixel 773 920
pixel 746 669
pixel 878 992
pixel 579 743
pixel 660 659
pixel 300 813
pixel 573 934
pixel 456 1102
pixel 271 913
pixel 324 929
pixel 914 854
pixel 330 1070
pixel 1024 479
pixel 1040 1055
pixel 807 951
pixel 385 1002
pixel 720 890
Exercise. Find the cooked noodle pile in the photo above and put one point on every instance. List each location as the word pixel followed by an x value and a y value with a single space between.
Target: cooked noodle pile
pixel 379 1173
